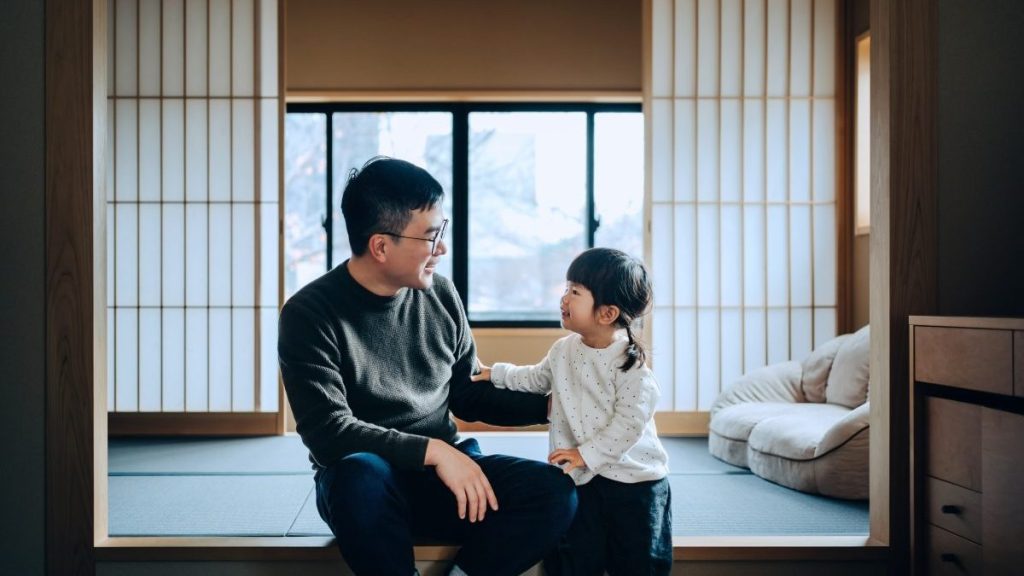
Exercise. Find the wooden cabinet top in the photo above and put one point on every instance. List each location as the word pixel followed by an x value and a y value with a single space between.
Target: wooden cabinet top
pixel 969 322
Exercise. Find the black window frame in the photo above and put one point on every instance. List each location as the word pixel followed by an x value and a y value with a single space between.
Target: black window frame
pixel 460 173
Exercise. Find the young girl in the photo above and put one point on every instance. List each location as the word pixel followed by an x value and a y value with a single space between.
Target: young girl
pixel 602 421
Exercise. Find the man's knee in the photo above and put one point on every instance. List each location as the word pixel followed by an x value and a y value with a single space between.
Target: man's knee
pixel 561 497
pixel 361 481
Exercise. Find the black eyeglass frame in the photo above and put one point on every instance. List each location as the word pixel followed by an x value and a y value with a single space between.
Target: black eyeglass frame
pixel 438 236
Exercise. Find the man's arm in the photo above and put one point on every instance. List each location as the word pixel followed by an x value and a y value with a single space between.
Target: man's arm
pixel 482 401
pixel 317 394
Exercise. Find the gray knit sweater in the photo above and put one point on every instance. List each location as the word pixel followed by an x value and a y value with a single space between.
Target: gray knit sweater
pixel 369 373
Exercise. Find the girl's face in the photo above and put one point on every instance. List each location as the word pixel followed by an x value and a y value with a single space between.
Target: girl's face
pixel 578 312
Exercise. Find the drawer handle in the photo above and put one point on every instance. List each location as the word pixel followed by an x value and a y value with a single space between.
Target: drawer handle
pixel 950 509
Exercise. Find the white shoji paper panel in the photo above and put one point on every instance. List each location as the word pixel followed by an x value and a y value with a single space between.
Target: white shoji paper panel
pixel 661 48
pixel 109 177
pixel 111 354
pixel 800 48
pixel 268 255
pixel 731 152
pixel 662 253
pixel 242 47
pixel 243 255
pixel 268 51
pixel 196 255
pixel 824 325
pixel 126 48
pixel 778 335
pixel 685 143
pixel 775 153
pixel 149 150
pixel 777 256
pixel 126 155
pixel 685 255
pixel 220 255
pixel 824 48
pixel 126 360
pixel 732 345
pixel 173 346
pixel 173 47
pixel 242 143
pixel 707 150
pixel 268 360
pixel 685 338
pixel 196 52
pixel 800 273
pixel 824 151
pixel 800 333
pixel 753 48
pixel 825 255
pixel 173 257
pixel 660 125
pixel 149 360
pixel 731 260
pixel 220 34
pixel 755 351
pixel 243 368
pixel 799 150
pixel 126 247
pixel 732 47
pixel 777 43
pixel 149 47
pixel 220 360
pixel 150 253
pixel 708 254
pixel 196 153
pixel 111 255
pixel 754 273
pixel 220 150
pixel 173 151
pixel 709 371
pixel 753 150
pixel 663 353
pixel 268 151
pixel 685 48
pixel 196 361
pixel 708 58
pixel 111 70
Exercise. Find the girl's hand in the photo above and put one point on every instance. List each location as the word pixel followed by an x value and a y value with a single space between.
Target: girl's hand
pixel 570 457
pixel 485 374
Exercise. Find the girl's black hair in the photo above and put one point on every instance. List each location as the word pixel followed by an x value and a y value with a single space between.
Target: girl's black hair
pixel 616 279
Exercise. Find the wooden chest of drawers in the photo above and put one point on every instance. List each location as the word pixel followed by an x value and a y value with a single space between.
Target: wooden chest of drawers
pixel 968 445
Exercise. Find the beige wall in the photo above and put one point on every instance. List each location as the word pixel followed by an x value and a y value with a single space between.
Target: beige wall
pixel 467 45
pixel 518 346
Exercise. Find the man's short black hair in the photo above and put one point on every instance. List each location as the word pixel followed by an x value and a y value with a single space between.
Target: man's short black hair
pixel 381 197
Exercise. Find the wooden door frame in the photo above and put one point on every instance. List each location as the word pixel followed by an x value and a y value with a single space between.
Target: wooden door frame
pixel 903 265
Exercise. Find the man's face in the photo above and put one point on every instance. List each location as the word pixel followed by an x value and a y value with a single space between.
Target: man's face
pixel 411 263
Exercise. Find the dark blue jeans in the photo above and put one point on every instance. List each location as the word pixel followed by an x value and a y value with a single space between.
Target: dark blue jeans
pixel 625 529
pixel 377 512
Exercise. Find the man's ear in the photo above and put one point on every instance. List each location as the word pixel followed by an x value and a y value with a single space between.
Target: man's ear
pixel 607 314
pixel 378 248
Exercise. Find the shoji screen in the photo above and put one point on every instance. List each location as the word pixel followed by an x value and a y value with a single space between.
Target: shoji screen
pixel 192 206
pixel 740 102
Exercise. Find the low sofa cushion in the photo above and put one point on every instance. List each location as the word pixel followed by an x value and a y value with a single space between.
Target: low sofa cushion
pixel 796 433
pixel 848 380
pixel 816 368
pixel 777 383
pixel 738 421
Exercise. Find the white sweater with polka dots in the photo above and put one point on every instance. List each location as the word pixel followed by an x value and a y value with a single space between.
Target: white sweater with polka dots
pixel 607 413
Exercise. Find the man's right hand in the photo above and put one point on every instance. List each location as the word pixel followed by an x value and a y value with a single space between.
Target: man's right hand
pixel 463 477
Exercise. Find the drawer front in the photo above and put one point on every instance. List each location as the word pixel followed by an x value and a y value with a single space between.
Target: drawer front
pixel 1018 364
pixel 953 444
pixel 965 357
pixel 952 555
pixel 954 508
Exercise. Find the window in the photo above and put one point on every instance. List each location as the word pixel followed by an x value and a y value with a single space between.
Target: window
pixel 529 186
pixel 862 149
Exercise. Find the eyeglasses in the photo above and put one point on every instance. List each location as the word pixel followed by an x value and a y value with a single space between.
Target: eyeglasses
pixel 438 236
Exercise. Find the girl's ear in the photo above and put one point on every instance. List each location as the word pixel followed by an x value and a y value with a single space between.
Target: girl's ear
pixel 607 314
pixel 378 247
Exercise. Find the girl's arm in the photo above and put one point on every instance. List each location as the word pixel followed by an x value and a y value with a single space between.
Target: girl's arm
pixel 636 396
pixel 536 378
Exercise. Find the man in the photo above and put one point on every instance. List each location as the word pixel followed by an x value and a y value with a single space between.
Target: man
pixel 374 354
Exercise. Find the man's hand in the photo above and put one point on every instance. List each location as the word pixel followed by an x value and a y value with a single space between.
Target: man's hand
pixel 569 456
pixel 463 477
pixel 485 374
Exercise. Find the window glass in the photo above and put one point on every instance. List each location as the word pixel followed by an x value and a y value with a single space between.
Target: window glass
pixel 527 207
pixel 305 187
pixel 423 138
pixel 619 181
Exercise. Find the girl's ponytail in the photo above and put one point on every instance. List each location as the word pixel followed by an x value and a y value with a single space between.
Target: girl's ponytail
pixel 635 352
